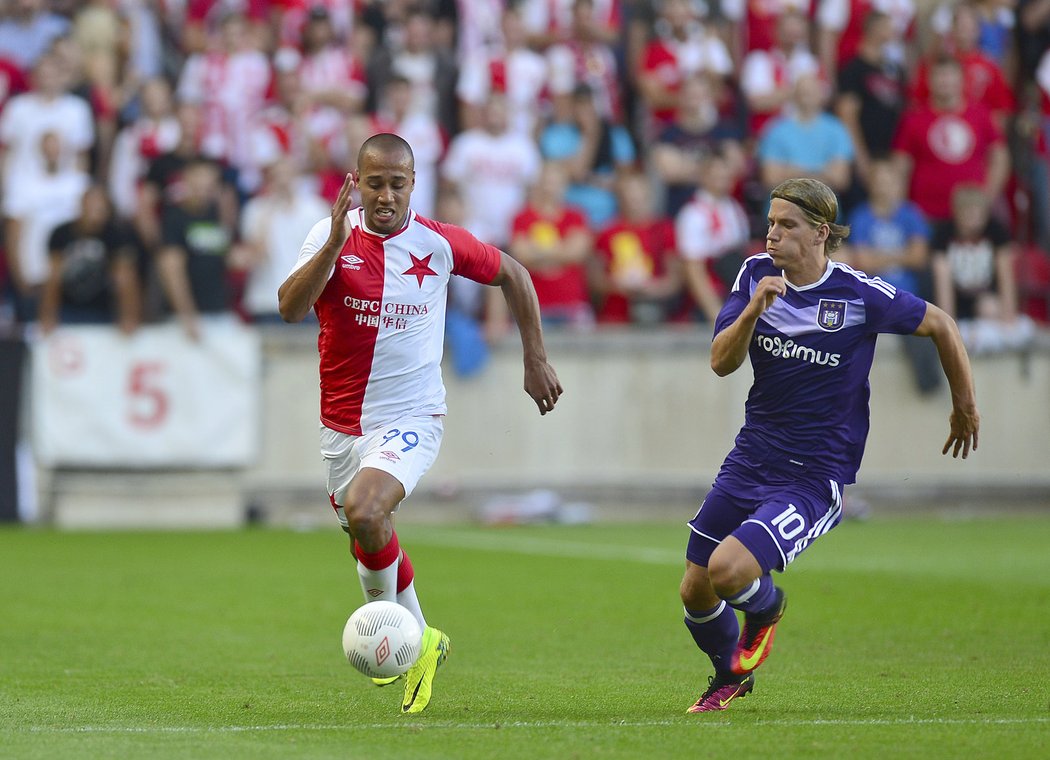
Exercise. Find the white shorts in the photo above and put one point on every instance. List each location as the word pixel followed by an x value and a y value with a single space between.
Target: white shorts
pixel 405 448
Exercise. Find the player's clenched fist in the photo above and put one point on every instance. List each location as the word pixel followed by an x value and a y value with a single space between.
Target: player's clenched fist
pixel 767 291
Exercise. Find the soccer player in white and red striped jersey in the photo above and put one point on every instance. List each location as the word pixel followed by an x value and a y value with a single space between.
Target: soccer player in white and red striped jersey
pixel 377 276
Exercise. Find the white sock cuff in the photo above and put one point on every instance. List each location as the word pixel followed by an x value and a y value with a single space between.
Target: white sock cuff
pixel 747 593
pixel 706 618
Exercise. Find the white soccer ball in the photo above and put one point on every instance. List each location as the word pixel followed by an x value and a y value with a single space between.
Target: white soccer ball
pixel 382 639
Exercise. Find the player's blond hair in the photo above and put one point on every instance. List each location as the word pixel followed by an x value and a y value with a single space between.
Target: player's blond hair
pixel 818 204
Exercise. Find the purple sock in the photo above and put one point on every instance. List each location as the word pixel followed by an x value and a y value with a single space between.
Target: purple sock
pixel 756 599
pixel 715 631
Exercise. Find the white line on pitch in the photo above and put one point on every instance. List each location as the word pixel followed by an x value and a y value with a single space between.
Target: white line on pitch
pixel 450 725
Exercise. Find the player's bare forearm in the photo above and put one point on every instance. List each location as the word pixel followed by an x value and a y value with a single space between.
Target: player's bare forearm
pixel 298 294
pixel 729 348
pixel 541 381
pixel 129 297
pixel 51 295
pixel 171 267
pixel 964 421
pixel 998 170
pixel 303 287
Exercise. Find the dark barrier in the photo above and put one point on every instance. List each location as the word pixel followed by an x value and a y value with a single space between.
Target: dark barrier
pixel 12 359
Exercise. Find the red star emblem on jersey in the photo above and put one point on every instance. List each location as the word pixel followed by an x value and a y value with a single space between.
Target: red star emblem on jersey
pixel 420 268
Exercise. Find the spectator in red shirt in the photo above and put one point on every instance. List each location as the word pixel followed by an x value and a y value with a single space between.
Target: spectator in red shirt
pixel 554 243
pixel 983 80
pixel 753 23
pixel 682 47
pixel 636 277
pixel 948 141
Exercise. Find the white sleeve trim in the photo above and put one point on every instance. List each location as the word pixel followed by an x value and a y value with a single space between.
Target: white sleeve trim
pixel 315 240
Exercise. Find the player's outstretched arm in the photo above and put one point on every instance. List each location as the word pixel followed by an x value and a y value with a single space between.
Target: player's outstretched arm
pixel 964 421
pixel 541 382
pixel 303 287
pixel 729 348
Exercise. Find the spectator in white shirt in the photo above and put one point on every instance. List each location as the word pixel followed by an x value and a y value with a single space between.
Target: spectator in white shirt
pixel 44 200
pixel 711 234
pixel 231 83
pixel 767 77
pixel 273 226
pixel 492 166
pixel 26 118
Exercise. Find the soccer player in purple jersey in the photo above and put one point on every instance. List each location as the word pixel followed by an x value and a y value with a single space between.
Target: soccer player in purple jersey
pixel 809 325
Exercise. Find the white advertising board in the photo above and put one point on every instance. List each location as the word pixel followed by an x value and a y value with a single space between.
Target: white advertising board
pixel 154 399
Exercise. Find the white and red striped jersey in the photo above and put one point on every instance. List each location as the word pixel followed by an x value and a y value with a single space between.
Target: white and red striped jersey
pixel 382 317
pixel 333 69
pixel 478 27
pixel 521 74
pixel 766 71
pixel 590 63
pixel 232 89
pixel 757 19
pixel 135 147
pixel 707 227
pixel 555 16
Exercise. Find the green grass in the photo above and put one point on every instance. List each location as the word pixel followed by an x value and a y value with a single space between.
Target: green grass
pixel 904 638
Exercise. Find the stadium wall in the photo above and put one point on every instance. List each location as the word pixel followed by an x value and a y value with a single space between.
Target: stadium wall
pixel 643 412
pixel 640 431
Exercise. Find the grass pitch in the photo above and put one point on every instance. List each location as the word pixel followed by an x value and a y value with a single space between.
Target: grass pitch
pixel 904 638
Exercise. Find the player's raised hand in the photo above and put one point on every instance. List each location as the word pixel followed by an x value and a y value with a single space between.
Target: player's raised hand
pixel 541 383
pixel 340 226
pixel 767 291
pixel 964 426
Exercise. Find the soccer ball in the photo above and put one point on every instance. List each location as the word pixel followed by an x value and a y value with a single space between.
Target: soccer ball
pixel 382 639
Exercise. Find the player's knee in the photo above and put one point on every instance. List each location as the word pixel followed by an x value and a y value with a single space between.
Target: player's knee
pixel 365 517
pixel 729 573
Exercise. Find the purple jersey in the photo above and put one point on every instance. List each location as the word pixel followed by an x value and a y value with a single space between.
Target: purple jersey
pixel 811 353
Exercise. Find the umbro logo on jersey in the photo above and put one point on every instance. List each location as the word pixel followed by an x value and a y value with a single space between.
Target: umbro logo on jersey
pixel 351 261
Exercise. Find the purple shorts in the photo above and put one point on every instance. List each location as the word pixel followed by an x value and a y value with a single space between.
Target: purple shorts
pixel 776 519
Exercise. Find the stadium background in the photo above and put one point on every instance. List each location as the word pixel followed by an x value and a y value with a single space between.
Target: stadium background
pixel 643 423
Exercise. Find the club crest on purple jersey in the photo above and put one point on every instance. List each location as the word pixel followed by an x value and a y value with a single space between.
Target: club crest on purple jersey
pixel 831 315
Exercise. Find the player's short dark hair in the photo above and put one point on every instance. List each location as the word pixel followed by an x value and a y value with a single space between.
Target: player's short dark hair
pixel 386 143
pixel 819 205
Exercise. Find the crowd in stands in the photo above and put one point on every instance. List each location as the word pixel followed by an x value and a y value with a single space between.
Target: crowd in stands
pixel 165 158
